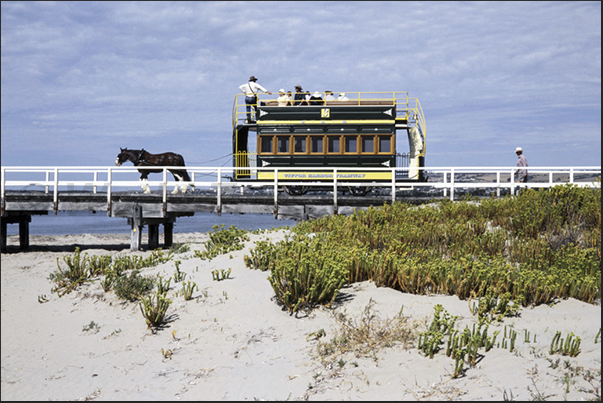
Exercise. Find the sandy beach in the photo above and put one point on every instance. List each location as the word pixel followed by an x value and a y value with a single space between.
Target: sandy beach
pixel 233 341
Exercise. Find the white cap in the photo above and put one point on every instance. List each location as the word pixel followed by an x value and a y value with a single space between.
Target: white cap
pixel 518 149
pixel 316 93
pixel 281 90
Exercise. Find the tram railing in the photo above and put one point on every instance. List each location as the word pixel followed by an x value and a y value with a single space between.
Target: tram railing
pixel 442 181
pixel 406 107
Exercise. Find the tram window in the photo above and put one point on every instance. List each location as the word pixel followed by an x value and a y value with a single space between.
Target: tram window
pixel 334 145
pixel 283 144
pixel 317 144
pixel 300 145
pixel 351 145
pixel 385 144
pixel 367 144
pixel 266 145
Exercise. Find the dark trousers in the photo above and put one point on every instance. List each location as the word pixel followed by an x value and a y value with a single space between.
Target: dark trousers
pixel 250 102
pixel 522 180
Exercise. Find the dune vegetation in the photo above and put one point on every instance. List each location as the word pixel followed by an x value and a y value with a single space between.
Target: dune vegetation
pixel 528 250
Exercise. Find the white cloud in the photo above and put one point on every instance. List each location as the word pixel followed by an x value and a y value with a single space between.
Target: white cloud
pixel 486 73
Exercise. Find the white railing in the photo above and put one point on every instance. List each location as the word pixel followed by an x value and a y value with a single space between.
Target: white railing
pixel 447 179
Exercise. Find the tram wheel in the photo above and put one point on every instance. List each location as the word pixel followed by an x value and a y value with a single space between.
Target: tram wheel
pixel 359 190
pixel 296 190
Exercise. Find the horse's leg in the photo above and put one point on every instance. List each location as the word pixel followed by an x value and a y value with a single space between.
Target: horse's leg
pixel 182 176
pixel 179 179
pixel 145 185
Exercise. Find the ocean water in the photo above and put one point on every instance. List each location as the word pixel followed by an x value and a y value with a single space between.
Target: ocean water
pixel 85 222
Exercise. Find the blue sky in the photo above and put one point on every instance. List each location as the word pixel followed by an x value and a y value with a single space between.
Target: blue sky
pixel 82 79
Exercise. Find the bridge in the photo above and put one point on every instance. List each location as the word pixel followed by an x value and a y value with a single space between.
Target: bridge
pixel 116 191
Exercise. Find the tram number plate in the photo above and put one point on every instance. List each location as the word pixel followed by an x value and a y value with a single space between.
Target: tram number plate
pixel 325 113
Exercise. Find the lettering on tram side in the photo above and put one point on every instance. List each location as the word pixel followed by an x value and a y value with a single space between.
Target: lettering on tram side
pixel 324 176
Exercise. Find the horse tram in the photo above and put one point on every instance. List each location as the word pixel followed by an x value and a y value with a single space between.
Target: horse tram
pixel 306 146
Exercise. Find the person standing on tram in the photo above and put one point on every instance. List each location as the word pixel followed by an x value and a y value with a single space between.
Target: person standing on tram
pixel 250 89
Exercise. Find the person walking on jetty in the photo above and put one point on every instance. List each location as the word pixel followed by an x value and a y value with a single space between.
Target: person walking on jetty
pixel 521 175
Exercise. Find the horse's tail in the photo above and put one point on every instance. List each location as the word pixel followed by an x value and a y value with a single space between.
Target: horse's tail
pixel 185 175
pixel 179 161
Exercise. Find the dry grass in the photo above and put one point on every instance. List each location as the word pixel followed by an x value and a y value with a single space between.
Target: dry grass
pixel 367 335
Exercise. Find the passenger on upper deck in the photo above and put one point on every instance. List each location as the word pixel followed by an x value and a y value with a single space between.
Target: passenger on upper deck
pixel 329 96
pixel 316 99
pixel 300 97
pixel 250 90
pixel 342 97
pixel 283 99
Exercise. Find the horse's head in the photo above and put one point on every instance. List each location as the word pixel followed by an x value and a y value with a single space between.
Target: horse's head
pixel 122 156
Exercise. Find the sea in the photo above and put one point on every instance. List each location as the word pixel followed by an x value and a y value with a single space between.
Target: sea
pixel 86 222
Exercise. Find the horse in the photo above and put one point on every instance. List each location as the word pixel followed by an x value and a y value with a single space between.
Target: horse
pixel 145 158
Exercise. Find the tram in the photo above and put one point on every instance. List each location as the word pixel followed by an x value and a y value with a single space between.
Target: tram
pixel 352 136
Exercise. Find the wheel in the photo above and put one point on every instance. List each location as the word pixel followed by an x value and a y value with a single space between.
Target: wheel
pixel 359 190
pixel 296 190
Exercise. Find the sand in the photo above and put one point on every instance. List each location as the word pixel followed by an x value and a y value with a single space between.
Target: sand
pixel 233 341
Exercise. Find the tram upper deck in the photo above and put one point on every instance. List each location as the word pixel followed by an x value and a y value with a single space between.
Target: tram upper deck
pixel 404 109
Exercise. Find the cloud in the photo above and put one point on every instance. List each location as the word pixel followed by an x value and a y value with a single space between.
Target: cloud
pixel 87 74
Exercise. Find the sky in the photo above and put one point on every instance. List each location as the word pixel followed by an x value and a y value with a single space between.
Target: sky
pixel 82 79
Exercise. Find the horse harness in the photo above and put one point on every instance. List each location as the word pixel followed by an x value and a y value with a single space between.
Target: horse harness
pixel 139 157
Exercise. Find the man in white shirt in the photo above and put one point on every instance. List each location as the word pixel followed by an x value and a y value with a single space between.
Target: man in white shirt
pixel 329 96
pixel 251 95
pixel 342 97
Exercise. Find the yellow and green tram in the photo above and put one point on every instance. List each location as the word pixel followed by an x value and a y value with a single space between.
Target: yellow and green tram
pixel 353 136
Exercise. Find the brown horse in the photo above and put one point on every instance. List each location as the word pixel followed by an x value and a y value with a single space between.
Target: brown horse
pixel 145 158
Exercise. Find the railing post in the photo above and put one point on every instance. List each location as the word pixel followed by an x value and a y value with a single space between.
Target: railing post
pixel 276 193
pixel 2 184
pixel 571 178
pixel 95 179
pixel 47 179
pixel 497 183
pixel 164 196
pixel 452 184
pixel 393 170
pixel 335 191
pixel 550 178
pixel 512 183
pixel 219 193
pixel 444 174
pixel 55 196
pixel 109 187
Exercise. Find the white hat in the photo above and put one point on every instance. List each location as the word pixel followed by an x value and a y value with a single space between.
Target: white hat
pixel 518 149
pixel 316 94
pixel 281 90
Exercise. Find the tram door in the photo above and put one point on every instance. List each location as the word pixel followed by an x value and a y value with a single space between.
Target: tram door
pixel 240 152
